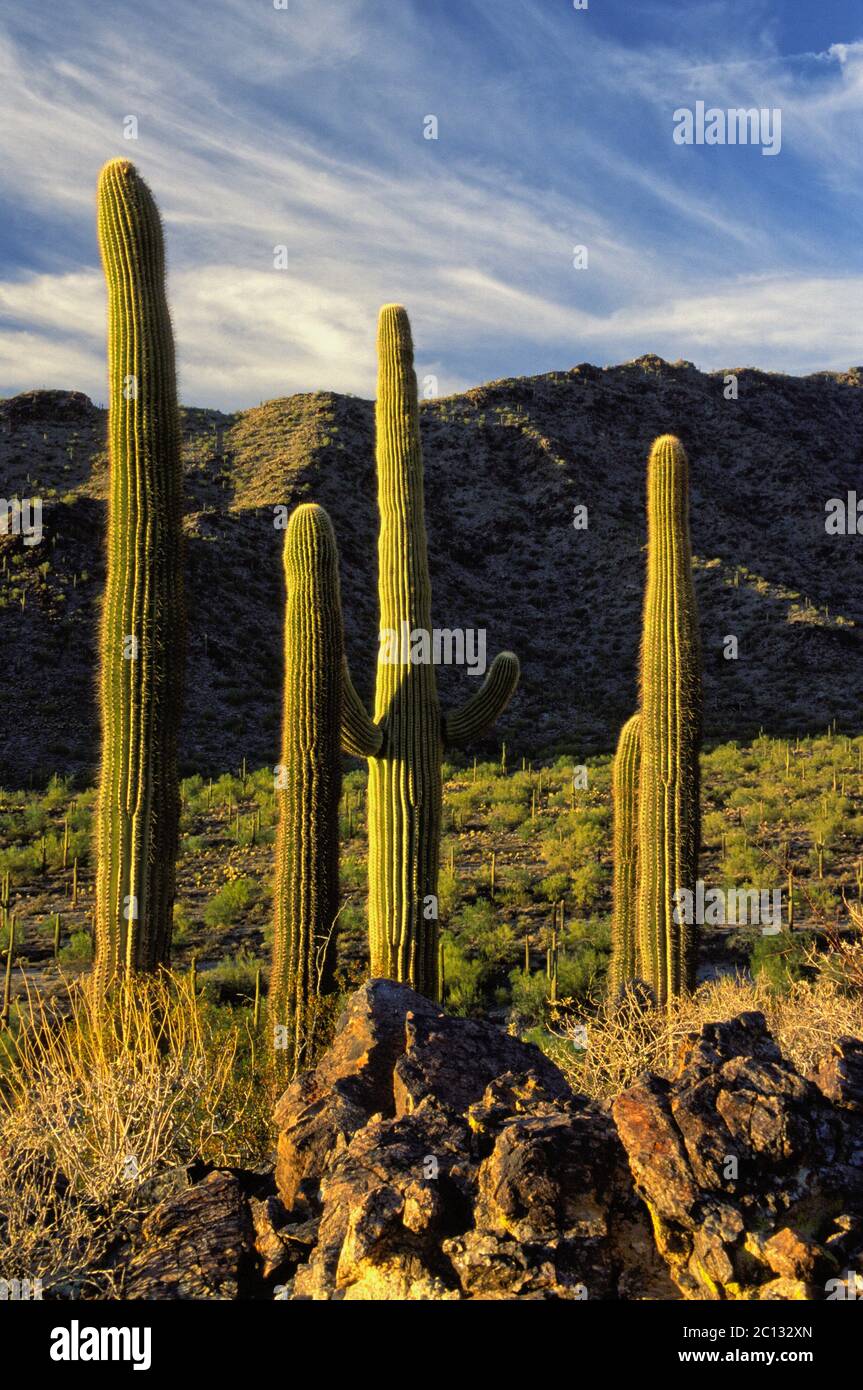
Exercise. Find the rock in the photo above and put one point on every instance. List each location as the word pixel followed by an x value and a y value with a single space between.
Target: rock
pixel 556 1214
pixel 280 1245
pixel 840 1076
pixel 454 1059
pixel 466 1169
pixel 744 1165
pixel 435 1158
pixel 322 1109
pixel 48 407
pixel 198 1244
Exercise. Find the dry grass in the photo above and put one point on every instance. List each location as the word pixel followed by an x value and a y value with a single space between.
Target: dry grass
pixel 625 1039
pixel 96 1099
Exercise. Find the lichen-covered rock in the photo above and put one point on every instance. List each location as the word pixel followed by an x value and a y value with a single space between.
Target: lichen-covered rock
pixel 198 1244
pixel 470 1171
pixel 322 1109
pixel 745 1166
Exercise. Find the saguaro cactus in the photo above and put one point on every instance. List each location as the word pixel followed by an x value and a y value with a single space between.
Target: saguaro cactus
pixel 624 795
pixel 308 787
pixel 143 628
pixel 405 741
pixel 668 802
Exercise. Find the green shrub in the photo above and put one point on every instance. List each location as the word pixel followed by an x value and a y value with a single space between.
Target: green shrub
pixel 231 900
pixel 78 949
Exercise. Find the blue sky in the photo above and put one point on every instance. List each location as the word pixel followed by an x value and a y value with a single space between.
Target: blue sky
pixel 303 126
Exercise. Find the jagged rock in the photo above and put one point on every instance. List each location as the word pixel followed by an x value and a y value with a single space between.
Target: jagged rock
pixel 454 1059
pixel 322 1109
pixel 438 1159
pixel 469 1171
pixel 399 1188
pixel 198 1244
pixel 744 1165
pixel 840 1076
pixel 556 1214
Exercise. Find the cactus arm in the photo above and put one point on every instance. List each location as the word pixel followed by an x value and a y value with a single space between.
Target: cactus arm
pixel 624 794
pixel 487 705
pixel 361 736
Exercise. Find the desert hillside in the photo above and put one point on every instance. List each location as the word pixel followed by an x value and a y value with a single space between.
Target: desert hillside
pixel 506 465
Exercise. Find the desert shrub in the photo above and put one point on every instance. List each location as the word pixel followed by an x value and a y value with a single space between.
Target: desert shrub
pixel 95 1101
pixel 529 994
pixel 78 949
pixel 474 922
pixel 515 888
pixel 506 815
pixel 232 981
pixel 625 1039
pixel 230 901
pixel 449 893
pixel 554 887
pixel 462 980
pixel 587 884
pixel 182 927
pixel 777 961
pixel 352 873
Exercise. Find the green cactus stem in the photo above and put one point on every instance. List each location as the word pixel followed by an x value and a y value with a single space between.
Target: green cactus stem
pixel 624 795
pixel 405 741
pixel 143 630
pixel 668 801
pixel 308 789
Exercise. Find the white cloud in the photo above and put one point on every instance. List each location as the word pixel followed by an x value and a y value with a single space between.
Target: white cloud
pixel 260 127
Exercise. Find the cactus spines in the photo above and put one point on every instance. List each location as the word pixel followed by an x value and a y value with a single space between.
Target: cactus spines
pixel 142 634
pixel 309 788
pixel 668 800
pixel 405 741
pixel 624 796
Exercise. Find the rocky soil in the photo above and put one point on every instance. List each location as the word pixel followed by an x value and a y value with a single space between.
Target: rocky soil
pixel 428 1157
pixel 506 464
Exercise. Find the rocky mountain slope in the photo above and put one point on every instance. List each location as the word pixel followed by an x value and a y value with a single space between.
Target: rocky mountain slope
pixel 506 465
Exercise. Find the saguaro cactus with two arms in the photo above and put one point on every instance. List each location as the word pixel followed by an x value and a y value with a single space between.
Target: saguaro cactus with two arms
pixel 405 741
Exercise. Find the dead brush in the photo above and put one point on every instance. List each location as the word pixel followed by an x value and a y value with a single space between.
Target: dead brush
pixel 625 1037
pixel 99 1095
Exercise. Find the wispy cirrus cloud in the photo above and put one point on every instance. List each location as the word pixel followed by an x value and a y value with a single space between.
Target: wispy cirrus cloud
pixel 303 127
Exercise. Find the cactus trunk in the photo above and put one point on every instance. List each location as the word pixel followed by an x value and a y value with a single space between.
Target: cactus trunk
pixel 668 803
pixel 624 793
pixel 404 783
pixel 142 634
pixel 308 789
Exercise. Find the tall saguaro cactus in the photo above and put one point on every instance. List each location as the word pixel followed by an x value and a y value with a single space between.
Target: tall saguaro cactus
pixel 309 786
pixel 143 627
pixel 624 795
pixel 668 804
pixel 405 742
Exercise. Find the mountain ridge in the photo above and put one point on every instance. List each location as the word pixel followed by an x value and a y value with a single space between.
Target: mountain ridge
pixel 506 464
